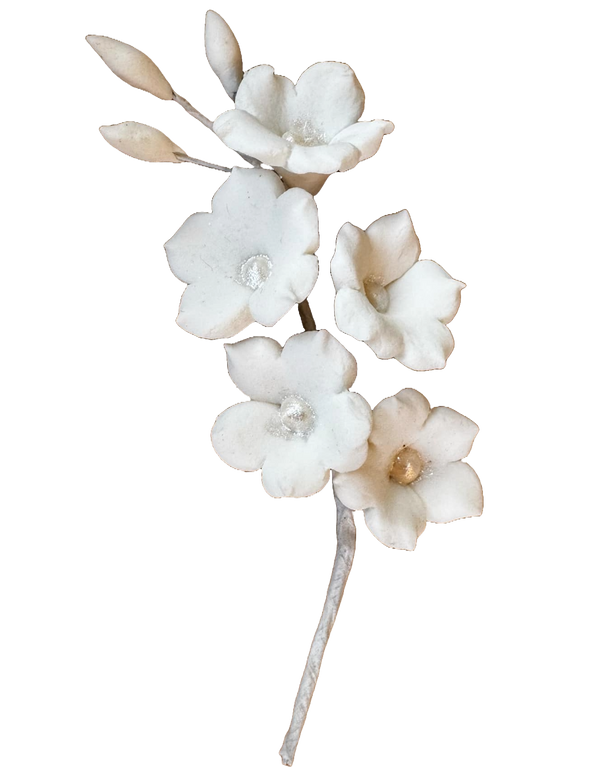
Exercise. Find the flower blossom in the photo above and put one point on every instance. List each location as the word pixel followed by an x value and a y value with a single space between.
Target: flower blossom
pixel 305 131
pixel 387 297
pixel 413 473
pixel 251 259
pixel 301 420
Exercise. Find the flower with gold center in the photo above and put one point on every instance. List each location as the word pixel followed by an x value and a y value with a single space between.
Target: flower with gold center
pixel 414 472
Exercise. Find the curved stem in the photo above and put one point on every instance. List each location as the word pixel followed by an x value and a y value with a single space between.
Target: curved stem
pixel 346 545
pixel 192 111
pixel 198 162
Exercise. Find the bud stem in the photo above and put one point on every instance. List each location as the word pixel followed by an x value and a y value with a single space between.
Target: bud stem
pixel 198 162
pixel 192 111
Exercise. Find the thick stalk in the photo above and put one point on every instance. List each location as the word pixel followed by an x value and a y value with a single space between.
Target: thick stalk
pixel 306 317
pixel 346 545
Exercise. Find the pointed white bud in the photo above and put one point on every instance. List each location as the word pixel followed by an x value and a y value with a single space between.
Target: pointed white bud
pixel 223 52
pixel 142 142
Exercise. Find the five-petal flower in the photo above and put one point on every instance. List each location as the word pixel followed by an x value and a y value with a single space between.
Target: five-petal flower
pixel 251 259
pixel 387 297
pixel 305 131
pixel 301 420
pixel 413 473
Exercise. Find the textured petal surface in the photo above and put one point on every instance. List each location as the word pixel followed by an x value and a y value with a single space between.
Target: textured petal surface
pixel 290 283
pixel 213 309
pixel 355 315
pixel 292 472
pixel 254 365
pixel 397 422
pixel 447 436
pixel 322 159
pixel 244 133
pixel 223 52
pixel 426 290
pixel 244 193
pixel 241 436
pixel 350 264
pixel 267 97
pixel 399 520
pixel 329 95
pixel 343 441
pixel 131 65
pixel 366 136
pixel 316 364
pixel 394 246
pixel 450 492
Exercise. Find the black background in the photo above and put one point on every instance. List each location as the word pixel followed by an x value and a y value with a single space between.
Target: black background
pixel 206 592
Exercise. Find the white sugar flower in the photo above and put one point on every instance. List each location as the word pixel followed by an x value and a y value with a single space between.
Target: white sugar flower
pixel 388 298
pixel 305 131
pixel 301 421
pixel 251 259
pixel 413 473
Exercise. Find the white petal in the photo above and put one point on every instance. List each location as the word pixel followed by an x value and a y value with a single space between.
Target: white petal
pixel 317 364
pixel 357 489
pixel 350 264
pixel 397 422
pixel 394 246
pixel 366 136
pixel 291 472
pixel 131 65
pixel 329 96
pixel 295 223
pixel 347 423
pixel 188 250
pixel 254 366
pixel 214 307
pixel 244 195
pixel 267 97
pixel 223 52
pixel 355 315
pixel 399 520
pixel 241 436
pixel 447 436
pixel 427 289
pixel 242 132
pixel 322 159
pixel 142 142
pixel 450 492
pixel 290 283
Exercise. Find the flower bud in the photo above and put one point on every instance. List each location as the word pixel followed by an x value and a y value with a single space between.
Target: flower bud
pixel 223 52
pixel 142 142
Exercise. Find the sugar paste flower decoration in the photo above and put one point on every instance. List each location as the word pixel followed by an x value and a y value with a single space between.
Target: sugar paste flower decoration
pixel 414 471
pixel 253 258
pixel 301 420
pixel 387 297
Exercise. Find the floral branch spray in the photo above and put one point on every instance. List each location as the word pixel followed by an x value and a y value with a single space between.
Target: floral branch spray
pixel 253 258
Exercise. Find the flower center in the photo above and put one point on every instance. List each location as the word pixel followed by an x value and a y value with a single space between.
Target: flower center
pixel 297 416
pixel 255 270
pixel 406 467
pixel 302 132
pixel 377 295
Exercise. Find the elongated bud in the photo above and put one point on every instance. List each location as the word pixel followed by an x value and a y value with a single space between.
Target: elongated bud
pixel 131 65
pixel 223 52
pixel 142 142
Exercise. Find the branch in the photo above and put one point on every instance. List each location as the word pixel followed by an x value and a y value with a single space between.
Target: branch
pixel 306 317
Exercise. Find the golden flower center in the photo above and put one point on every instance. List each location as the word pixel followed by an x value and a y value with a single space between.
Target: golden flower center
pixel 406 467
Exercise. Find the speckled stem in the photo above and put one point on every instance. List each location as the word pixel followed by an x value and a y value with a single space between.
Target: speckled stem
pixel 306 317
pixel 346 545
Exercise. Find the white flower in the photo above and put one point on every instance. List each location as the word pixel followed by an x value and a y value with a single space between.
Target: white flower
pixel 413 472
pixel 251 259
pixel 387 298
pixel 301 421
pixel 307 131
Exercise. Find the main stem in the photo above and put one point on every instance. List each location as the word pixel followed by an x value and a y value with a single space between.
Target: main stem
pixel 346 545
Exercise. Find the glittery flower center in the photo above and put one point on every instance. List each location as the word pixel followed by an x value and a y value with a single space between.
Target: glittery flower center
pixel 377 295
pixel 255 271
pixel 302 132
pixel 297 416
pixel 406 467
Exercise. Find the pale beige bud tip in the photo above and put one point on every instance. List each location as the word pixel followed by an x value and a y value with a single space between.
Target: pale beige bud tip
pixel 131 65
pixel 142 142
pixel 223 52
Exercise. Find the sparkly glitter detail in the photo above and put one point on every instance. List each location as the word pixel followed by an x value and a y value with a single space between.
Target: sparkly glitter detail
pixel 377 295
pixel 302 132
pixel 297 416
pixel 255 271
pixel 406 467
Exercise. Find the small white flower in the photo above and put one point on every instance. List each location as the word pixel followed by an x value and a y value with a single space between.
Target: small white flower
pixel 251 259
pixel 413 472
pixel 305 131
pixel 301 421
pixel 385 297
